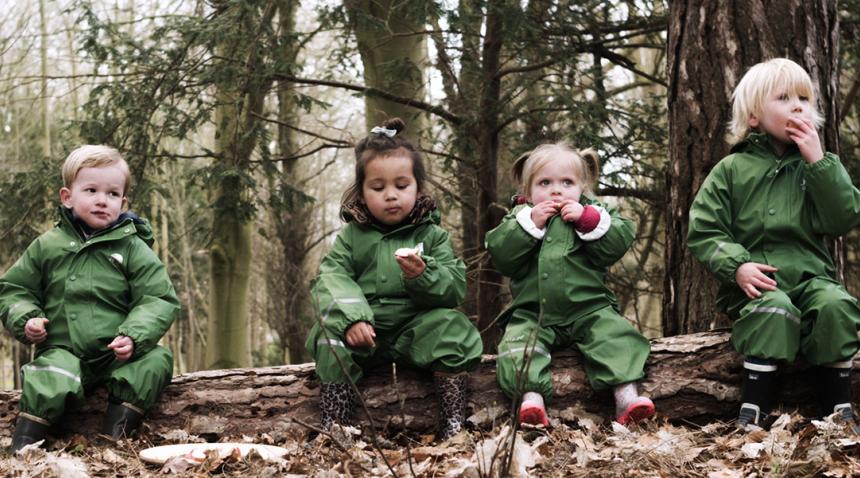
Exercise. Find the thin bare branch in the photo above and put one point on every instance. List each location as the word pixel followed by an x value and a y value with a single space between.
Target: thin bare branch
pixel 370 91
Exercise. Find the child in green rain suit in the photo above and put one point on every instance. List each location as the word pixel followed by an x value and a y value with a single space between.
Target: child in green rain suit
pixel 556 248
pixel 387 289
pixel 95 299
pixel 759 223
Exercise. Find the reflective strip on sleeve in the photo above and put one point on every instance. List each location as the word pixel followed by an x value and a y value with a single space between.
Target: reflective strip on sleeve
pixel 345 300
pixel 331 342
pixel 714 254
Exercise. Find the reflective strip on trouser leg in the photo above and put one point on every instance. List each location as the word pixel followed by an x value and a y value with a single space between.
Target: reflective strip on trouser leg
pixel 440 340
pixel 48 382
pixel 141 381
pixel 519 346
pixel 334 359
pixel 768 328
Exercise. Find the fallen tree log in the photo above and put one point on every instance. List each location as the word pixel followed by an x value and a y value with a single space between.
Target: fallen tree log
pixel 690 377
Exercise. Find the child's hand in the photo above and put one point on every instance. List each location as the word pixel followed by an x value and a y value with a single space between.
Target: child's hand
pixel 123 347
pixel 751 277
pixel 571 211
pixel 35 331
pixel 804 134
pixel 360 334
pixel 412 265
pixel 543 211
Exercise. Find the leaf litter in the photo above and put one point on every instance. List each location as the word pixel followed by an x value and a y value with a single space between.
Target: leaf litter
pixel 573 447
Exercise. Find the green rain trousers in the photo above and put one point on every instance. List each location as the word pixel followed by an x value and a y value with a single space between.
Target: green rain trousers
pixel 601 336
pixel 816 318
pixel 440 340
pixel 57 378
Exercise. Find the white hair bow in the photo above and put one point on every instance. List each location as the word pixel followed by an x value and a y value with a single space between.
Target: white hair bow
pixel 387 132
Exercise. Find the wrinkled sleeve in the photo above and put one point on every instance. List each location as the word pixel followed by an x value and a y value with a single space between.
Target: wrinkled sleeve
pixel 835 198
pixel 20 292
pixel 338 299
pixel 709 236
pixel 614 243
pixel 511 246
pixel 443 282
pixel 154 305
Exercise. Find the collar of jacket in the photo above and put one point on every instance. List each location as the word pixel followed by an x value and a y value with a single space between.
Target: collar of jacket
pixel 763 143
pixel 115 231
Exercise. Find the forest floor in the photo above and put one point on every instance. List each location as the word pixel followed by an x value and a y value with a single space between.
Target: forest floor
pixel 793 446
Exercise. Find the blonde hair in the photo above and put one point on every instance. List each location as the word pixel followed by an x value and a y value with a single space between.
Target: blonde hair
pixel 761 81
pixel 94 156
pixel 585 163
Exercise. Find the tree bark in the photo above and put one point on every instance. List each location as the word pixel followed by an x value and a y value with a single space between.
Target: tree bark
pixel 690 377
pixel 711 45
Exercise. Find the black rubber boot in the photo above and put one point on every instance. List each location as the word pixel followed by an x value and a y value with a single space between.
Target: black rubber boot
pixel 27 432
pixel 121 420
pixel 451 392
pixel 833 385
pixel 759 380
pixel 337 401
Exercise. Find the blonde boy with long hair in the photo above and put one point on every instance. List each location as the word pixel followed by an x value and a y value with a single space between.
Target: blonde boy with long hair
pixel 759 223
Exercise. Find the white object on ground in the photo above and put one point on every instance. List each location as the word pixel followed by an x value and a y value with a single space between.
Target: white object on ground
pixel 160 454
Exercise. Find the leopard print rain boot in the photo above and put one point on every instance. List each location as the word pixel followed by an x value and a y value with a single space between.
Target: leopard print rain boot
pixel 337 401
pixel 451 392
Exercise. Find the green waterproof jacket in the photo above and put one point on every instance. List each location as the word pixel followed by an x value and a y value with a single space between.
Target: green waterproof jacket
pixel 757 207
pixel 561 275
pixel 90 290
pixel 360 274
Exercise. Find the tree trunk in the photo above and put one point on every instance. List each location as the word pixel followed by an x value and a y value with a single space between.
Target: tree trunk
pixel 393 55
pixel 240 104
pixel 690 378
pixel 462 95
pixel 288 285
pixel 489 212
pixel 711 45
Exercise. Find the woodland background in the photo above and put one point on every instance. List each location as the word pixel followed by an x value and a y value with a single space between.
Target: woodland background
pixel 238 119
